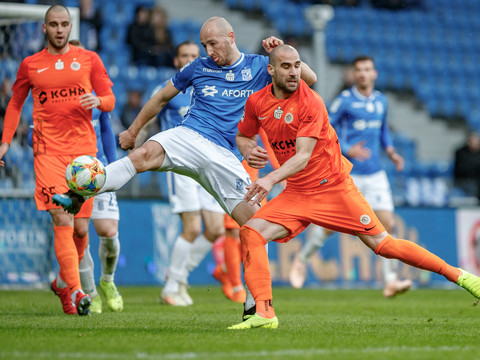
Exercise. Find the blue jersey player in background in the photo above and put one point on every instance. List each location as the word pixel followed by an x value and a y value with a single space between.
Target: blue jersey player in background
pixel 105 217
pixel 359 116
pixel 203 146
pixel 188 199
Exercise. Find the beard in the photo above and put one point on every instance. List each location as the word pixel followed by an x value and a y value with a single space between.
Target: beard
pixel 52 40
pixel 284 86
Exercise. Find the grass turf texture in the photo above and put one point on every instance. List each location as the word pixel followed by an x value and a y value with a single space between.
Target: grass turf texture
pixel 314 324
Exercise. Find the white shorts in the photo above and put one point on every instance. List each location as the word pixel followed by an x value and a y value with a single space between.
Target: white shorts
pixel 376 189
pixel 105 206
pixel 187 195
pixel 214 167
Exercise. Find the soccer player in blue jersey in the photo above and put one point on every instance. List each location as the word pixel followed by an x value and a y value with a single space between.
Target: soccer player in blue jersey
pixel 359 116
pixel 188 199
pixel 105 217
pixel 203 145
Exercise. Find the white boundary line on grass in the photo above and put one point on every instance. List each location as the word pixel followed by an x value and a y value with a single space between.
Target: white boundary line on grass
pixel 222 355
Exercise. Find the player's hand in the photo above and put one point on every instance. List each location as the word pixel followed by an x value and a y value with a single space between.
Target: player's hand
pixel 126 139
pixel 398 161
pixel 359 152
pixel 258 190
pixel 3 151
pixel 89 101
pixel 270 43
pixel 258 158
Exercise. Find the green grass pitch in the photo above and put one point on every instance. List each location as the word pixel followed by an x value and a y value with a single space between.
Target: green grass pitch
pixel 314 324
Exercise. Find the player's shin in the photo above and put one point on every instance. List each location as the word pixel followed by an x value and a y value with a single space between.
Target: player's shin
pixel 67 256
pixel 257 270
pixel 118 174
pixel 414 255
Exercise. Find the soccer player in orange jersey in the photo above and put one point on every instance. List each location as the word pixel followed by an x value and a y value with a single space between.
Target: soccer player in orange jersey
pixel 61 78
pixel 319 188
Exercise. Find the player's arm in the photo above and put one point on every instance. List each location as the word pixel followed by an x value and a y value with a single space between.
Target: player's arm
pixel 261 187
pixel 256 156
pixel 14 109
pixel 149 110
pixel 108 137
pixel 387 144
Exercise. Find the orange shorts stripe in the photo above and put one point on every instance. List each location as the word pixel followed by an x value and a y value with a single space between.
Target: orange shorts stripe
pixel 340 207
pixel 50 180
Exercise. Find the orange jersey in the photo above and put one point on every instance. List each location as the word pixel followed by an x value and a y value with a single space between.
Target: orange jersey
pixel 61 125
pixel 301 115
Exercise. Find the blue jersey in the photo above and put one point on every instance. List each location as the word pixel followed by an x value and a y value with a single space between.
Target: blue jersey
pixel 106 147
pixel 219 95
pixel 172 113
pixel 356 117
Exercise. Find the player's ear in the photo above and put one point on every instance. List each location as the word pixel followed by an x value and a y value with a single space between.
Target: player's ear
pixel 231 36
pixel 44 28
pixel 270 69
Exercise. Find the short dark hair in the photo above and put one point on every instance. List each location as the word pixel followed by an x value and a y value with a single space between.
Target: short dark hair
pixel 187 42
pixel 363 58
pixel 55 8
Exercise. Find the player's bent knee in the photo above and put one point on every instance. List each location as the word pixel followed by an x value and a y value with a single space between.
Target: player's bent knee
pixel 149 156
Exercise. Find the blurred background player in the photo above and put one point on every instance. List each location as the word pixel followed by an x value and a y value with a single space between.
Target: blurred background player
pixel 466 169
pixel 359 116
pixel 62 79
pixel 188 199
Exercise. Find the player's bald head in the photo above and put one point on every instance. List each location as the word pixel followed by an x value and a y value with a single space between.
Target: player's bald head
pixel 56 8
pixel 216 25
pixel 281 51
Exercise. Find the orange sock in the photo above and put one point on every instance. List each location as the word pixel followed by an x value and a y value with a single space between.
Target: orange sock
pixel 264 308
pixel 412 254
pixel 80 244
pixel 67 256
pixel 255 261
pixel 233 259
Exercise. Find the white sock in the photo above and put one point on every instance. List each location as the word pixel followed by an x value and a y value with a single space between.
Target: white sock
pixel 86 268
pixel 108 251
pixel 118 174
pixel 389 269
pixel 200 248
pixel 314 240
pixel 177 271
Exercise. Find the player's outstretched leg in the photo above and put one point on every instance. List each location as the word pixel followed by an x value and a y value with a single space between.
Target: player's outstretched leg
pixel 70 201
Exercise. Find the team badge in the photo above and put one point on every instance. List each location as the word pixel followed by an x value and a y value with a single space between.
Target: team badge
pixel 239 184
pixel 370 107
pixel 243 116
pixel 59 65
pixel 246 74
pixel 75 65
pixel 288 118
pixel 379 106
pixel 277 114
pixel 230 76
pixel 365 219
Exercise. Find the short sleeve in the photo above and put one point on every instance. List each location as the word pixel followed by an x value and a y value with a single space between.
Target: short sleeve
pixel 248 124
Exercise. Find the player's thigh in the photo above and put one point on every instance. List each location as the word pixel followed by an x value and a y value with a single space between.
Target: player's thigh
pixel 269 230
pixel 149 156
pixel 214 224
pixel 50 180
pixel 106 227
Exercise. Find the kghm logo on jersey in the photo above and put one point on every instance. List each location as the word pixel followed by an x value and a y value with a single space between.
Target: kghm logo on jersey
pixel 247 74
pixel 230 76
pixel 277 114
pixel 288 118
pixel 209 91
